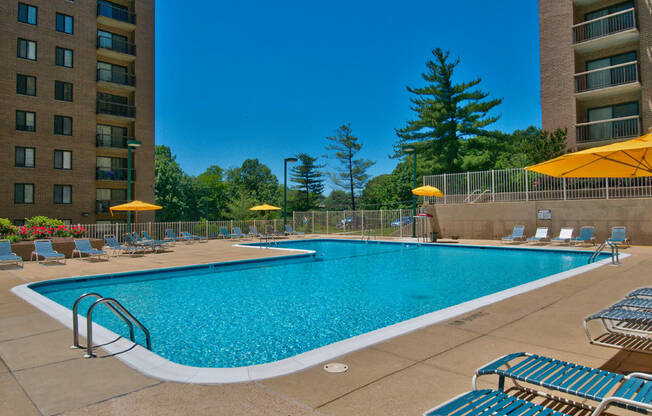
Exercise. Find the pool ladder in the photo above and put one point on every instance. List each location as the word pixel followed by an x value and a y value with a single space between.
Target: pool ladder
pixel 117 309
pixel 615 253
pixel 367 234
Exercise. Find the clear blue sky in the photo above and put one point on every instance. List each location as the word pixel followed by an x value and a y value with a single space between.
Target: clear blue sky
pixel 239 79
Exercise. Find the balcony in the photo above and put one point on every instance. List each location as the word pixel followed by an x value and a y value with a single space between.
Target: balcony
pixel 114 79
pixel 116 110
pixel 107 140
pixel 109 174
pixel 608 82
pixel 117 17
pixel 605 130
pixel 606 32
pixel 102 207
pixel 115 48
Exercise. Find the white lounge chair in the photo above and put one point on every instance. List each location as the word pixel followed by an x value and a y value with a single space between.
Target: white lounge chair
pixel 565 236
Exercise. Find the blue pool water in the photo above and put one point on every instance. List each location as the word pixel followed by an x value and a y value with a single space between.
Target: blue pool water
pixel 247 313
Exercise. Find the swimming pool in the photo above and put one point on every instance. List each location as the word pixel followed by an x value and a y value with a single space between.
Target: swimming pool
pixel 249 314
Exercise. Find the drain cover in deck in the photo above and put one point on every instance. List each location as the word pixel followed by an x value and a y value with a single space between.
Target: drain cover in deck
pixel 336 367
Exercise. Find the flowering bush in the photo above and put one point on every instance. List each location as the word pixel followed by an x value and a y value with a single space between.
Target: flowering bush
pixel 33 233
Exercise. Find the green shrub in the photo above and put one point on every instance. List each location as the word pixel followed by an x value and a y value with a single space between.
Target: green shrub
pixel 6 228
pixel 41 221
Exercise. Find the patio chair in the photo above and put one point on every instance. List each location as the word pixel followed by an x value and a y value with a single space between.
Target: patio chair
pixel 237 232
pixel 253 231
pixel 173 237
pixel 113 244
pixel 224 233
pixel 43 248
pixel 565 236
pixel 271 232
pixel 586 236
pixel 194 237
pixel 619 236
pixel 134 240
pixel 540 236
pixel 600 388
pixel 290 231
pixel 644 292
pixel 83 247
pixel 7 256
pixel 625 325
pixel 517 234
pixel 147 238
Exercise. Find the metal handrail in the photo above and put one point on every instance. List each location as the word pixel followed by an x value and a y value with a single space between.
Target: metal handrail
pixel 615 253
pixel 607 120
pixel 75 321
pixel 118 305
pixel 116 13
pixel 596 252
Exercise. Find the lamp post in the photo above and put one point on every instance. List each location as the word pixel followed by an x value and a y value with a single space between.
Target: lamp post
pixel 411 149
pixel 285 187
pixel 132 145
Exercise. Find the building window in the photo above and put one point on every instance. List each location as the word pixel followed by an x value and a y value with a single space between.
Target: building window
pixel 26 13
pixel 27 49
pixel 19 223
pixel 25 120
pixel 63 159
pixel 63 125
pixel 63 57
pixel 113 41
pixel 25 157
pixel 25 85
pixel 24 193
pixel 62 91
pixel 62 194
pixel 64 23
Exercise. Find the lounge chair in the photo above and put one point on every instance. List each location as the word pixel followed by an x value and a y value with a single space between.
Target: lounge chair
pixel 7 256
pixel 619 236
pixel 83 247
pixel 290 231
pixel 43 248
pixel 601 389
pixel 626 326
pixel 224 233
pixel 644 291
pixel 271 232
pixel 117 248
pixel 565 236
pixel 173 237
pixel 147 238
pixel 253 231
pixel 517 234
pixel 586 236
pixel 237 232
pixel 540 236
pixel 134 240
pixel 194 237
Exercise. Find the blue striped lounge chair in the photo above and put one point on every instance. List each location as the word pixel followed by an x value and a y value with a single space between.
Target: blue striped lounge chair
pixel 147 238
pixel 237 232
pixel 642 292
pixel 518 234
pixel 83 247
pixel 7 256
pixel 134 240
pixel 586 236
pixel 224 233
pixel 625 325
pixel 598 389
pixel 253 231
pixel 171 236
pixel 290 231
pixel 619 236
pixel 540 236
pixel 194 237
pixel 112 243
pixel 43 250
pixel 565 236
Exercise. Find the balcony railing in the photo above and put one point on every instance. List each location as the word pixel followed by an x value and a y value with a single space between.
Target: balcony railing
pixel 116 77
pixel 116 13
pixel 114 44
pixel 604 26
pixel 616 128
pixel 109 174
pixel 107 140
pixel 607 77
pixel 116 109
pixel 102 207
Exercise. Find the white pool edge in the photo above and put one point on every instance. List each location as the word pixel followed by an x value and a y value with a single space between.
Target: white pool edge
pixel 153 365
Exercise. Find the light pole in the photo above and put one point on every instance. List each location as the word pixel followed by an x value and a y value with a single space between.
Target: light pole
pixel 411 149
pixel 285 187
pixel 132 145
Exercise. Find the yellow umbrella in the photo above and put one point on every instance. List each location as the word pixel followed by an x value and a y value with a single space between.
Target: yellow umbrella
pixel 629 159
pixel 135 206
pixel 427 191
pixel 264 207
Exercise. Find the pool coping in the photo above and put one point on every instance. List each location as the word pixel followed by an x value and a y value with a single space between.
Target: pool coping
pixel 153 365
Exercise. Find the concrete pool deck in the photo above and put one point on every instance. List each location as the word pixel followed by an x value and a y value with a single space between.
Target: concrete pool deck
pixel 39 374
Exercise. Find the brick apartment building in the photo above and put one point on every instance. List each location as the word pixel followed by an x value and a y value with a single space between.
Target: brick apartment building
pixel 76 88
pixel 596 69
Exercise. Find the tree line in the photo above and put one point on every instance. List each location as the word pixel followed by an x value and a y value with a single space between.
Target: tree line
pixel 450 132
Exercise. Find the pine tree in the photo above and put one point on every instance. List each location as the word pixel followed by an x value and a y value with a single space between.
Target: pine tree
pixel 446 112
pixel 309 179
pixel 352 174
